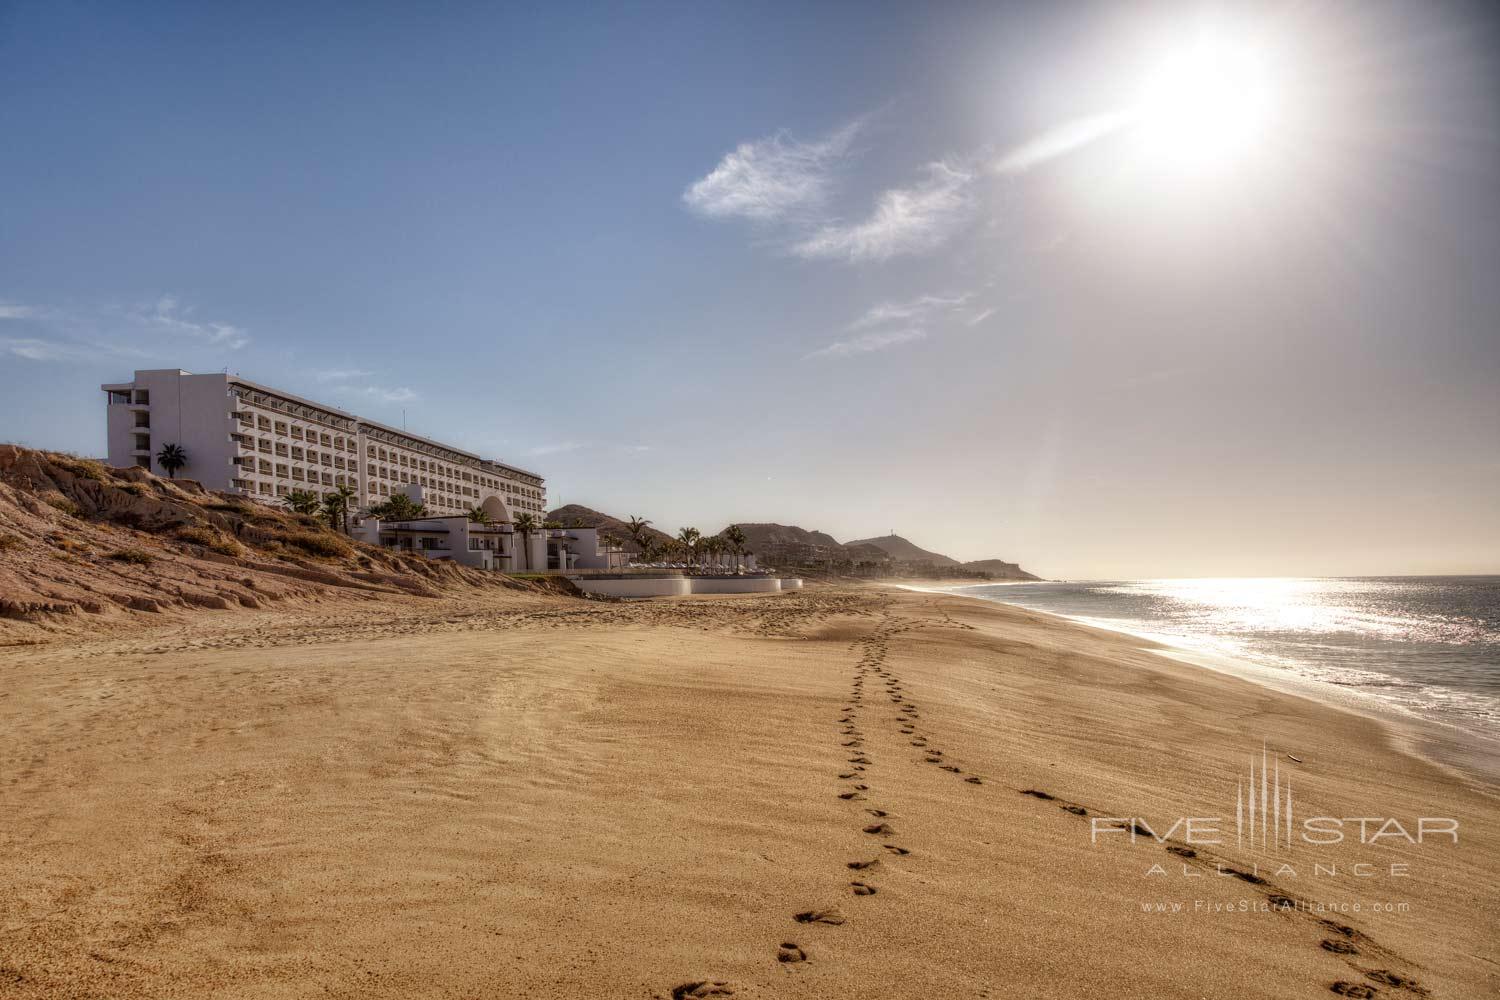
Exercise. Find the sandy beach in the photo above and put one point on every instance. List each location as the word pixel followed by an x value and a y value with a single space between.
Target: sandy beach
pixel 848 791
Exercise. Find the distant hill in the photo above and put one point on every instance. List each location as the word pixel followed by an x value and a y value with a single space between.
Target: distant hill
pixel 998 568
pixel 765 537
pixel 573 515
pixel 788 544
pixel 900 549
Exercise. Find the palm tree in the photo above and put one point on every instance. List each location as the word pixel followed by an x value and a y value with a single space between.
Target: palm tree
pixel 171 457
pixel 399 507
pixel 525 524
pixel 637 527
pixel 714 546
pixel 478 515
pixel 346 495
pixel 736 539
pixel 333 509
pixel 303 501
pixel 688 538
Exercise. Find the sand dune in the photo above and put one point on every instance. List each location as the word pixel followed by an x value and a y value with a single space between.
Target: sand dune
pixel 840 792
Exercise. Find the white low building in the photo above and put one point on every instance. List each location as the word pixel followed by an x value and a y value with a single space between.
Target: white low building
pixel 492 546
pixel 582 548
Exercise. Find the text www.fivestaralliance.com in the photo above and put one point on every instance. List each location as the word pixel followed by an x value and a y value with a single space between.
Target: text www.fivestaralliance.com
pixel 1173 907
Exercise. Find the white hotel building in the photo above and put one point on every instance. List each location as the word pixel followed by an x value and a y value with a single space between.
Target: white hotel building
pixel 242 437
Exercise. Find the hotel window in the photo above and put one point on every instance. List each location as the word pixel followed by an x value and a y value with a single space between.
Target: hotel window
pixel 297 453
pixel 143 396
pixel 265 487
pixel 264 423
pixel 297 472
pixel 265 467
pixel 280 427
pixel 338 442
pixel 326 440
pixel 281 470
pixel 296 433
pixel 281 490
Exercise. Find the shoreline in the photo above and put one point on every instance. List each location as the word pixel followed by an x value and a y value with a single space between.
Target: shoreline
pixel 1435 740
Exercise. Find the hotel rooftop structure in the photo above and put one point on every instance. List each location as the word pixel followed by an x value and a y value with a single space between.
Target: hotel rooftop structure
pixel 243 437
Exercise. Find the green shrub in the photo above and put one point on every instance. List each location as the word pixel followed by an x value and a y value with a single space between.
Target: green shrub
pixel 317 543
pixel 197 534
pixel 137 556
pixel 63 504
pixel 228 547
pixel 84 468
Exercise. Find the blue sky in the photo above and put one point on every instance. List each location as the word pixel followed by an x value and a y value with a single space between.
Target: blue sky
pixel 851 266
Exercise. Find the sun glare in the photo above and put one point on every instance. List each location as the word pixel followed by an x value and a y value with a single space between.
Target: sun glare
pixel 1208 102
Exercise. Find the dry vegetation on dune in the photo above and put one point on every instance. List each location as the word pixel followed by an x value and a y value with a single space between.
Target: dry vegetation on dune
pixel 81 542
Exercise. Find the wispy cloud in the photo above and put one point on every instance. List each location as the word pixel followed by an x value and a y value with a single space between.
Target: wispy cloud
pixel 341 374
pixel 1060 141
pixel 380 393
pixel 66 351
pixel 168 314
pixel 979 317
pixel 898 312
pixel 905 220
pixel 866 343
pixel 891 324
pixel 13 310
pixel 37 349
pixel 555 449
pixel 767 179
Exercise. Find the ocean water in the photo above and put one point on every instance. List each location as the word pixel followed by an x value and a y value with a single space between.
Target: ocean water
pixel 1423 646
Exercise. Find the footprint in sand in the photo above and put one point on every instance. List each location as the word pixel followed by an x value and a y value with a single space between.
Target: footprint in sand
pixel 1386 978
pixel 951 769
pixel 862 889
pixel 881 813
pixel 880 830
pixel 1359 990
pixel 974 781
pixel 900 852
pixel 851 796
pixel 789 953
pixel 860 866
pixel 833 917
pixel 702 988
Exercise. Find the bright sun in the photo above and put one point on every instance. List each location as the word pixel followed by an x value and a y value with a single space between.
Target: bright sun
pixel 1206 103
